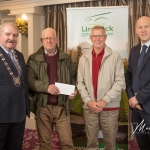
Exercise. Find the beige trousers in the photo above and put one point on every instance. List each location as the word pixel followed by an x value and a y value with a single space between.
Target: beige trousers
pixel 107 122
pixel 48 116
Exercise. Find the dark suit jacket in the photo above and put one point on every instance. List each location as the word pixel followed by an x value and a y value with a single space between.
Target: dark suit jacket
pixel 143 96
pixel 14 101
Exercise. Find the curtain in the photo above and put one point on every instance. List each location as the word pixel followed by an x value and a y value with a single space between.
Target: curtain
pixel 56 16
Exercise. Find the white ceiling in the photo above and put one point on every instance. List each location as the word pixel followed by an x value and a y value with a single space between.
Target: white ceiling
pixel 24 4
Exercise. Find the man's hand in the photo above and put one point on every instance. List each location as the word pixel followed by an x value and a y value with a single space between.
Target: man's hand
pixel 102 103
pixel 138 106
pixel 133 102
pixel 72 95
pixel 94 107
pixel 52 89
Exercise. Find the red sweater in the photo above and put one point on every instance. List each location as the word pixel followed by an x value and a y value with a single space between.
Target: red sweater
pixel 52 74
pixel 96 64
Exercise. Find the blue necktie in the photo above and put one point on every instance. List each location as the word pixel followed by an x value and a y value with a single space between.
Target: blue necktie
pixel 135 85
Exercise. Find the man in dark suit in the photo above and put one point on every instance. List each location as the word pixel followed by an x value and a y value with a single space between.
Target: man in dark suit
pixel 138 84
pixel 14 97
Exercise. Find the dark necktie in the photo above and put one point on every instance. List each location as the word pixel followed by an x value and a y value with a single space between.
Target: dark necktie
pixel 135 85
pixel 14 62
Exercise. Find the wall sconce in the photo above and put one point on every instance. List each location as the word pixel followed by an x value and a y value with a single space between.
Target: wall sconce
pixel 22 25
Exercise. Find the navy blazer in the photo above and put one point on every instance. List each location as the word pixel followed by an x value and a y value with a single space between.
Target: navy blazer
pixel 143 95
pixel 14 101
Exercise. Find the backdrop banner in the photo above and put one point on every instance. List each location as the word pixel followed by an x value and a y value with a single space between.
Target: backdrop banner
pixel 81 20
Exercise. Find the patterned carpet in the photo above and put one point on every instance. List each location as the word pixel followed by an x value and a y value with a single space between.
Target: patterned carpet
pixel 31 141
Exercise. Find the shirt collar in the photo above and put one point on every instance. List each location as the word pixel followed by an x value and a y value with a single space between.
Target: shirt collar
pixel 147 44
pixel 49 54
pixel 93 52
pixel 6 51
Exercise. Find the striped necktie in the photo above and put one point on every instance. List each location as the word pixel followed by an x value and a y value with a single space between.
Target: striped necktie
pixel 11 55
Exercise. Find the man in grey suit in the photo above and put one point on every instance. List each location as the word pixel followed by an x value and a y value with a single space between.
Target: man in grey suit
pixel 138 84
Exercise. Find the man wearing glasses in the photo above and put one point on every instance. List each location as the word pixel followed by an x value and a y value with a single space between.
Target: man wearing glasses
pixel 45 67
pixel 100 82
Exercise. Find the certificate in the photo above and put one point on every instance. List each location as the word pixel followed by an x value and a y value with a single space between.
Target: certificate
pixel 65 89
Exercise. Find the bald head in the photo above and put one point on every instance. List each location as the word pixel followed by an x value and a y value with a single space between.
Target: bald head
pixel 143 29
pixel 49 30
pixel 142 19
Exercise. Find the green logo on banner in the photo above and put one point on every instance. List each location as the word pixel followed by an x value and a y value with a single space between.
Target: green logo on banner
pixel 94 20
pixel 96 17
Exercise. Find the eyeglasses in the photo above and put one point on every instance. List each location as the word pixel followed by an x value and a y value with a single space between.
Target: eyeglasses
pixel 46 39
pixel 98 36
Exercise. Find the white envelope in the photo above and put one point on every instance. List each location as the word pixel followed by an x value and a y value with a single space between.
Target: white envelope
pixel 65 89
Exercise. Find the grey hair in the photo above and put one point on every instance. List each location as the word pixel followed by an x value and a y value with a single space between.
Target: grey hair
pixel 97 27
pixel 8 24
pixel 49 29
